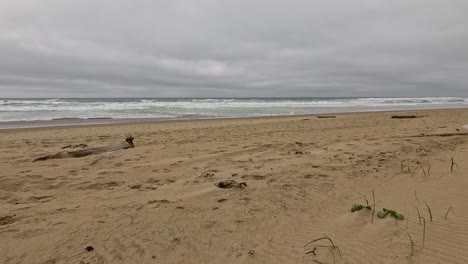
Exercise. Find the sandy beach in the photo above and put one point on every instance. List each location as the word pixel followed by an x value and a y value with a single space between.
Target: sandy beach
pixel 159 202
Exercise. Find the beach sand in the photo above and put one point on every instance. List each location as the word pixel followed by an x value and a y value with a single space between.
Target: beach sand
pixel 158 202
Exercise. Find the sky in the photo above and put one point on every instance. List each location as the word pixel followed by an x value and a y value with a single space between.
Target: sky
pixel 233 48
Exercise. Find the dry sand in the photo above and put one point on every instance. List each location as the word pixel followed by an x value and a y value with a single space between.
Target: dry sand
pixel 158 203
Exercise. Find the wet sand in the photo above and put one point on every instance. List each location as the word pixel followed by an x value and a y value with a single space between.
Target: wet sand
pixel 159 202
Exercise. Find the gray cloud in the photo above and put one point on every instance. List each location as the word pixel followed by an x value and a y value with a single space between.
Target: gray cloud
pixel 60 48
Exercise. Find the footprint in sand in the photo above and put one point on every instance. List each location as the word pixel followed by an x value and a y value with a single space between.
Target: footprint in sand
pixel 110 172
pixel 8 219
pixel 73 172
pixel 102 185
pixel 160 181
pixel 162 201
pixel 135 186
pixel 35 199
pixel 34 176
pixel 207 175
pixel 254 176
pixel 11 185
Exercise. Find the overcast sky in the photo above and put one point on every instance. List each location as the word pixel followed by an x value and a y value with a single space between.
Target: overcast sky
pixel 232 48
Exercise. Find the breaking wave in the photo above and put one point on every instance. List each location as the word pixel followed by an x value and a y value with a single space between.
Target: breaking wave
pixel 49 109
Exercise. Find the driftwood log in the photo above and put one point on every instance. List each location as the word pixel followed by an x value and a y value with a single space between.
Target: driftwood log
pixel 443 134
pixel 75 146
pixel 405 116
pixel 128 143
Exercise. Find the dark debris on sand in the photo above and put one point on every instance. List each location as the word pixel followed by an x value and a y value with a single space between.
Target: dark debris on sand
pixel 227 184
pixel 89 248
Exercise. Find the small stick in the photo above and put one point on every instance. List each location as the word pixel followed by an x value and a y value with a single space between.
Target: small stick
pixel 321 238
pixel 416 196
pixel 373 210
pixel 411 244
pixel 424 230
pixel 430 212
pixel 424 172
pixel 331 247
pixel 419 215
pixel 428 166
pixel 333 254
pixel 446 214
pixel 407 219
pixel 453 164
pixel 315 248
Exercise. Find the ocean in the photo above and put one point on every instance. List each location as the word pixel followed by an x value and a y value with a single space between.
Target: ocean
pixel 101 110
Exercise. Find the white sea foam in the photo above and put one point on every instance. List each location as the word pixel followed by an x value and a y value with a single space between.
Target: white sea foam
pixel 47 109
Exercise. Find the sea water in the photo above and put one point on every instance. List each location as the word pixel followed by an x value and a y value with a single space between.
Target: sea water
pixel 187 108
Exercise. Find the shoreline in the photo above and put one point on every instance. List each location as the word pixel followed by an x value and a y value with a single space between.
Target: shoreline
pixel 66 123
pixel 91 111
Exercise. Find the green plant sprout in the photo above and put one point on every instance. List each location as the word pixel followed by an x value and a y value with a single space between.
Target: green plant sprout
pixel 385 212
pixel 359 207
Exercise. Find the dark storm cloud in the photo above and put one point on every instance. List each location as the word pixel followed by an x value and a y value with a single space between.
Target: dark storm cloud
pixel 58 48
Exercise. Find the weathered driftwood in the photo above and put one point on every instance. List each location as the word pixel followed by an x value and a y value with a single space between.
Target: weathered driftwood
pixel 326 116
pixel 443 134
pixel 75 146
pixel 405 116
pixel 128 143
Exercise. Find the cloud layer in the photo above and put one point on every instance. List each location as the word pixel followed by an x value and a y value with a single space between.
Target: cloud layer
pixel 207 48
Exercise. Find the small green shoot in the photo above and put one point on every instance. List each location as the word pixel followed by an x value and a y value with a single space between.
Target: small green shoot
pixel 359 207
pixel 385 212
